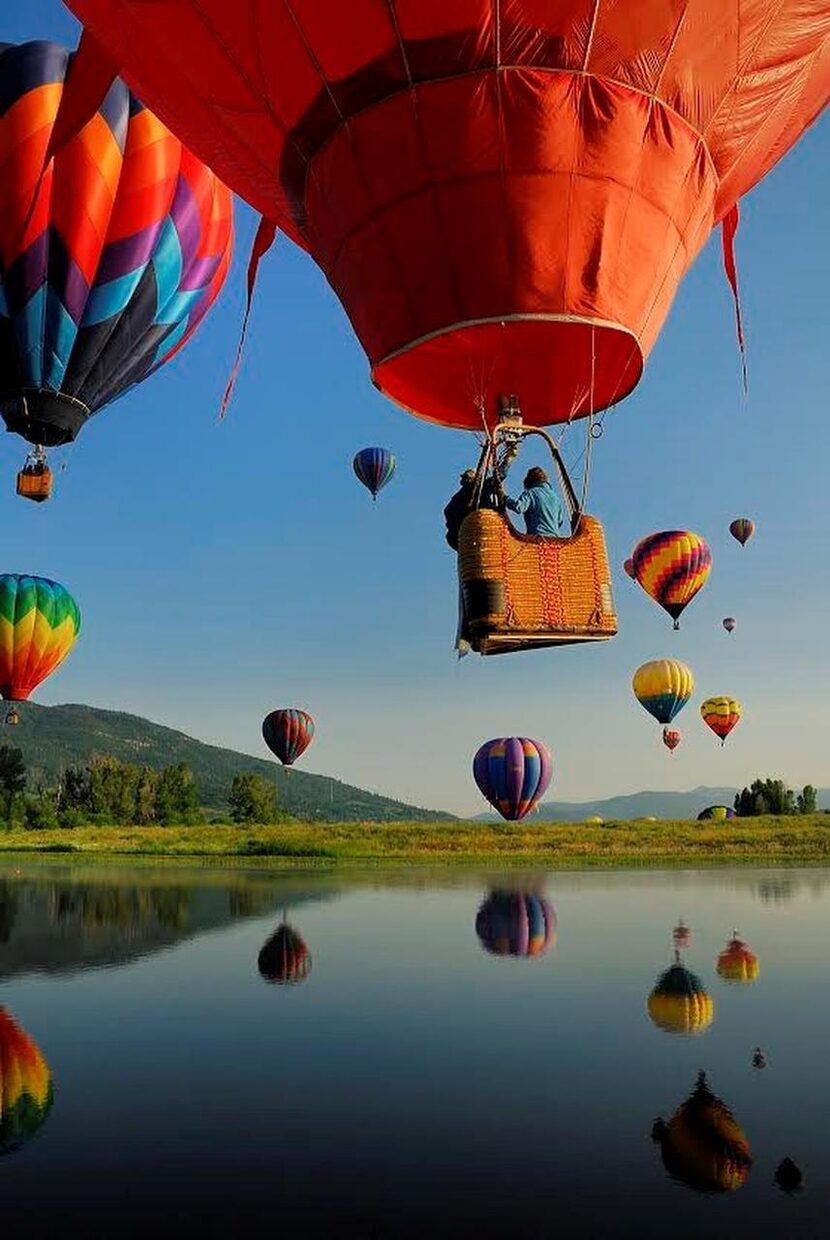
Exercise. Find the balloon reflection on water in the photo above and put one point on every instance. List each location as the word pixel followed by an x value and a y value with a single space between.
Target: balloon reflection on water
pixel 679 1002
pixel 736 963
pixel 284 958
pixel 516 923
pixel 702 1144
pixel 25 1086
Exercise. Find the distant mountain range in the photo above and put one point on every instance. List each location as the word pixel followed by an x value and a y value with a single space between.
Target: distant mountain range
pixel 55 737
pixel 671 805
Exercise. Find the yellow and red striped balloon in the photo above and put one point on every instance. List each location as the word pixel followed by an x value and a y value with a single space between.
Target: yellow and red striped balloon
pixel 721 714
pixel 39 621
pixel 671 567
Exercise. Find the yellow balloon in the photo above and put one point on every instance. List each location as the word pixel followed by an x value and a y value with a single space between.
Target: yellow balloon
pixel 663 687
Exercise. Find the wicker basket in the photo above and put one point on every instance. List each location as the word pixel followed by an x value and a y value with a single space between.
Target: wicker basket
pixel 522 591
pixel 35 484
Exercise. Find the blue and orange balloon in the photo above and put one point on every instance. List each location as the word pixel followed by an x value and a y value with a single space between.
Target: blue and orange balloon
pixel 288 733
pixel 108 262
pixel 374 467
pixel 39 622
pixel 516 923
pixel 512 772
pixel 671 567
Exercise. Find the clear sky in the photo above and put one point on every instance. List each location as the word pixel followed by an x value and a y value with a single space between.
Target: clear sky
pixel 226 569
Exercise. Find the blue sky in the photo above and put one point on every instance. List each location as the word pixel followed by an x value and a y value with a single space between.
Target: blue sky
pixel 226 569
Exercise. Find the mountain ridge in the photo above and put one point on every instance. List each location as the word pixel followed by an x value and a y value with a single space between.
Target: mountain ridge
pixel 52 738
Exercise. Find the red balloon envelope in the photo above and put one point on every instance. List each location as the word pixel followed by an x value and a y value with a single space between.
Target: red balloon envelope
pixel 513 773
pixel 288 733
pixel 505 197
pixel 284 958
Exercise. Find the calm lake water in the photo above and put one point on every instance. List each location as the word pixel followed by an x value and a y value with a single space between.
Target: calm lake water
pixel 387 1069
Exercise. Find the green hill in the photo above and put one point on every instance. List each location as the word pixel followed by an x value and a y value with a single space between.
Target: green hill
pixel 55 737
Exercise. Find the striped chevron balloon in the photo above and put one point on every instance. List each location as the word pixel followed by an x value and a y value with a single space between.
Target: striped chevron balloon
pixel 374 467
pixel 671 567
pixel 39 621
pixel 106 267
pixel 663 687
pixel 512 772
pixel 721 714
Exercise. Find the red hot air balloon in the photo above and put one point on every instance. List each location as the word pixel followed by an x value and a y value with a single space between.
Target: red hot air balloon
pixel 505 197
pixel 288 733
pixel 681 934
pixel 672 738
pixel 513 773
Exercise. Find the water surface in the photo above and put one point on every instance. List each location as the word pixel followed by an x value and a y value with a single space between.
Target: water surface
pixel 392 1075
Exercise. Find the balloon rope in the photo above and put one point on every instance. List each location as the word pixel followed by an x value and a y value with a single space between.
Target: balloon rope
pixel 729 227
pixel 263 240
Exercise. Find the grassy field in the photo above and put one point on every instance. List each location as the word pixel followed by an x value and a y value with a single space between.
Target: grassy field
pixel 793 840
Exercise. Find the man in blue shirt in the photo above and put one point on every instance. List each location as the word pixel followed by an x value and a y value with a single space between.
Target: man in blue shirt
pixel 540 504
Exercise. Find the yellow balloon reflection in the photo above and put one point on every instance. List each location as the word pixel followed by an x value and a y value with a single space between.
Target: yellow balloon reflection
pixel 679 1003
pixel 703 1145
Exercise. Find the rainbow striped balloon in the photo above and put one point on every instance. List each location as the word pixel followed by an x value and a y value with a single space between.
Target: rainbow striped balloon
pixel 512 772
pixel 671 567
pixel 663 687
pixel 39 621
pixel 25 1086
pixel 374 467
pixel 721 714
pixel 288 733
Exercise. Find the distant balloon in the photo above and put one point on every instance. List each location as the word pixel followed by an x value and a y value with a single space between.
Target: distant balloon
pixel 628 569
pixel 374 467
pixel 513 773
pixel 742 529
pixel 736 963
pixel 25 1086
pixel 594 821
pixel 721 714
pixel 516 923
pixel 284 958
pixel 681 934
pixel 679 1003
pixel 288 733
pixel 663 687
pixel 671 738
pixel 702 1145
pixel 729 623
pixel 39 621
pixel 716 813
pixel 671 567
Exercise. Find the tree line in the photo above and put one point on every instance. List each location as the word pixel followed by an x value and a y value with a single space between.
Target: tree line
pixel 109 792
pixel 772 796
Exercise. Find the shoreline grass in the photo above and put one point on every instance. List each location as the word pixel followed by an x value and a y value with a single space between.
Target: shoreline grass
pixel 753 841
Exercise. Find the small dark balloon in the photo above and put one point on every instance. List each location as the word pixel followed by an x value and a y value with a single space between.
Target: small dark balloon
pixel 729 623
pixel 788 1176
pixel 742 529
